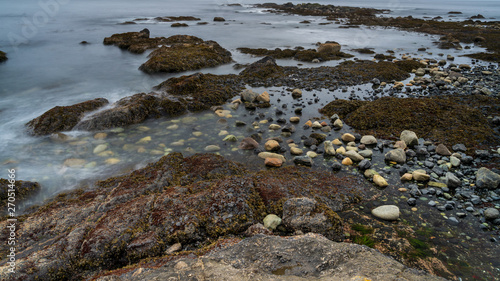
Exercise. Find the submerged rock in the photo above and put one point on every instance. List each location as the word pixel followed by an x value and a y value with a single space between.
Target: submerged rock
pixel 186 56
pixel 105 228
pixel 3 56
pixel 63 118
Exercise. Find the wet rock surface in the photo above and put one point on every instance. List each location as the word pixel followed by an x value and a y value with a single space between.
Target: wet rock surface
pixel 21 189
pixel 3 56
pixel 63 118
pixel 175 200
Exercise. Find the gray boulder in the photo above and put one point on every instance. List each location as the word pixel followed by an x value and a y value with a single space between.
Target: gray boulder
pixel 485 178
pixel 409 137
pixel 396 155
pixel 307 215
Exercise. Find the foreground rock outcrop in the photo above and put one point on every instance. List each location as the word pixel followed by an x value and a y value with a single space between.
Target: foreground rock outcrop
pixel 192 201
pixel 261 257
pixel 63 118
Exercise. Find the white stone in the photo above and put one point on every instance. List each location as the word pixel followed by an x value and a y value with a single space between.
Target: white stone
pixel 386 212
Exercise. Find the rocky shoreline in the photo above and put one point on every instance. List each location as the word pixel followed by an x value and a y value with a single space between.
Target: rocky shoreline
pixel 416 176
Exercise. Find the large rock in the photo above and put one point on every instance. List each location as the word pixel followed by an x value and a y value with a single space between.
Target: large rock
pixel 22 190
pixel 132 110
pixel 329 48
pixel 248 143
pixel 63 118
pixel 386 212
pixel 396 155
pixel 329 149
pixel 187 56
pixel 485 178
pixel 192 200
pixel 307 215
pixel 409 137
pixel 353 155
pixel 368 139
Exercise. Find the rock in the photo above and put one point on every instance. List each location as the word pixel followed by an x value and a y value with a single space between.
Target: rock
pixel 318 137
pixel 212 148
pixel 459 148
pixel 248 144
pixel 272 221
pixel 100 136
pixel 329 149
pixel 420 176
pixel 452 181
pixel 303 214
pixel 144 140
pixel 219 19
pixel 396 155
pixel 312 154
pixel 132 110
pixel 455 162
pixel 368 139
pixel 296 151
pixel 303 160
pixel 329 48
pixel 262 69
pixel 178 24
pixel 74 162
pixel 316 125
pixel 187 56
pixel 367 153
pixel 22 189
pixel 487 179
pixel 420 72
pixel 441 149
pixel 400 144
pixel 347 161
pixel 386 212
pixel 370 173
pixel 354 156
pixel 409 137
pixel 63 118
pixel 364 164
pixel 249 95
pixel 272 145
pixel 295 119
pixel 255 229
pixel 491 214
pixel 273 162
pixel 174 248
pixel 264 97
pixel 296 93
pixel 406 177
pixel 380 181
pixel 3 57
pixel 231 138
pixel 100 148
pixel 265 155
pixel 112 161
pixel 338 124
pixel 348 137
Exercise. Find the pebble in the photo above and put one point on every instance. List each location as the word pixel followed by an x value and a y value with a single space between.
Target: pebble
pixel 144 140
pixel 265 155
pixel 380 181
pixel 303 160
pixel 212 148
pixel 347 161
pixel 112 161
pixel 100 136
pixel 100 148
pixel 348 137
pixel 273 162
pixel 386 212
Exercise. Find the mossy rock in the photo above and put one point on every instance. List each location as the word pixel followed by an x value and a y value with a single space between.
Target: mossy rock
pixel 3 56
pixel 139 42
pixel 133 110
pixel 450 120
pixel 298 53
pixel 263 69
pixel 63 118
pixel 201 91
pixel 22 190
pixel 186 56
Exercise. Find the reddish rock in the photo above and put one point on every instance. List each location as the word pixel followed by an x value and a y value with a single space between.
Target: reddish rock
pixel 273 162
pixel 248 143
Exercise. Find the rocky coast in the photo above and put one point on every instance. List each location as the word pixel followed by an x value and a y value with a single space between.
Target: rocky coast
pixel 400 179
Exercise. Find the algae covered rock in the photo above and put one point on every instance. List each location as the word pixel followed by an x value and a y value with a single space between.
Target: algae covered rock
pixel 262 69
pixel 132 110
pixel 22 190
pixel 186 56
pixel 63 118
pixel 3 56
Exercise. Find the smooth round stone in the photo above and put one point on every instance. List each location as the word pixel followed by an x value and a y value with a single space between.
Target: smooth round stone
pixel 273 162
pixel 336 142
pixel 112 161
pixel 367 153
pixel 156 152
pixel 74 162
pixel 106 153
pixel 177 143
pixel 348 137
pixel 117 130
pixel 347 161
pixel 197 134
pixel 212 148
pixel 223 133
pixel 230 138
pixel 386 212
pixel 368 139
pixel 312 154
pixel 100 148
pixel 295 119
pixel 100 136
pixel 296 151
pixel 91 165
pixel 143 128
pixel 144 140
pixel 274 127
pixel 380 181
